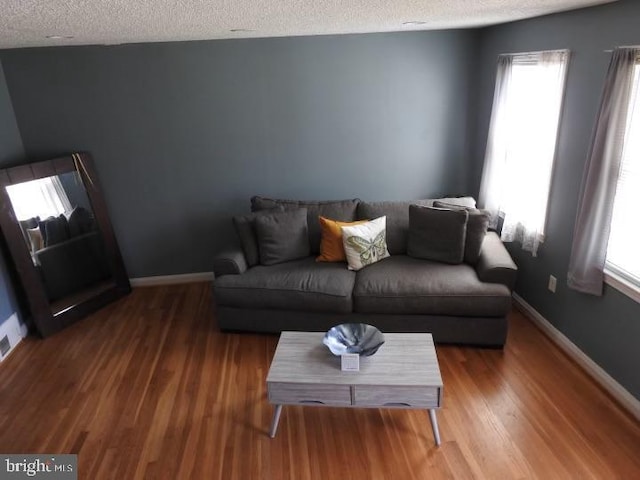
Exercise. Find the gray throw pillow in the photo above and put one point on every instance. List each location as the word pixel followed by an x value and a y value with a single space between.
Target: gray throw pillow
pixel 476 230
pixel 42 225
pixel 80 221
pixel 57 230
pixel 246 230
pixel 54 230
pixel 342 210
pixel 437 234
pixel 282 236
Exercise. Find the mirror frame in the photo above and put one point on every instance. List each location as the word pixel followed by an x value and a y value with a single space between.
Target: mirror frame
pixel 45 321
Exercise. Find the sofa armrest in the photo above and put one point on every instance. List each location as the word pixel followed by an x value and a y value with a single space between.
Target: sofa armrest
pixel 229 262
pixel 495 264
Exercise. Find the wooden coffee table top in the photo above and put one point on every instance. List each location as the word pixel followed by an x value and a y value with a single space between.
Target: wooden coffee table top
pixel 405 359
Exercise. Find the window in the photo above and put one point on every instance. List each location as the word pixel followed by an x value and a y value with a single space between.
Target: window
pixel 522 141
pixel 43 197
pixel 623 257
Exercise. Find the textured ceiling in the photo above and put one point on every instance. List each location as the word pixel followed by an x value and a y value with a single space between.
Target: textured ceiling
pixel 29 23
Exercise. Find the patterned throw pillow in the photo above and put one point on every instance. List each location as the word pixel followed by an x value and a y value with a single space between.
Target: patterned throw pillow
pixel 35 238
pixel 366 243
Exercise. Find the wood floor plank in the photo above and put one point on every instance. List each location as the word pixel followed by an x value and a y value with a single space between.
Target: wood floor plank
pixel 149 388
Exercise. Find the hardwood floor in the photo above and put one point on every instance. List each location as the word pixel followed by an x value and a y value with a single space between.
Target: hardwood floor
pixel 148 388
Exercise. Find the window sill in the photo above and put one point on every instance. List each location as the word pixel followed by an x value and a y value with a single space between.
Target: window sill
pixel 622 285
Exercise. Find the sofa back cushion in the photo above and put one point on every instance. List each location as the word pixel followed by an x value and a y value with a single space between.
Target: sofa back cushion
pixel 397 213
pixel 342 210
pixel 282 236
pixel 437 234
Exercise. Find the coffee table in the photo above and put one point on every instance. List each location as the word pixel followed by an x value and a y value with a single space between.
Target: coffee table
pixel 404 373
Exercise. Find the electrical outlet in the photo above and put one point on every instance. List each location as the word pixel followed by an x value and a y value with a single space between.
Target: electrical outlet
pixel 552 283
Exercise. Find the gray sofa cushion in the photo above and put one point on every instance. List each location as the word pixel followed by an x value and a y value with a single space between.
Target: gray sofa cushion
pixel 70 266
pixel 468 202
pixel 282 236
pixel 56 230
pixel 304 285
pixel 397 214
pixel 404 285
pixel 81 221
pixel 476 230
pixel 437 234
pixel 246 230
pixel 343 210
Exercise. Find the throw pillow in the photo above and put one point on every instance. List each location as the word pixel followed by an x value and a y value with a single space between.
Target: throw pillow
pixel 437 234
pixel 80 221
pixel 331 248
pixel 246 230
pixel 366 243
pixel 42 224
pixel 282 236
pixel 476 230
pixel 343 210
pixel 29 223
pixel 56 230
pixel 35 238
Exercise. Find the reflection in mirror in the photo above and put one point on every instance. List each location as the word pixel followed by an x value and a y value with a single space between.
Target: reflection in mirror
pixel 61 234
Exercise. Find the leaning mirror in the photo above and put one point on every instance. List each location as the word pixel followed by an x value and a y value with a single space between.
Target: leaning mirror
pixel 55 223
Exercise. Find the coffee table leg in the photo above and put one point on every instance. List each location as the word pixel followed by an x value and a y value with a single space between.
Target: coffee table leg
pixel 434 426
pixel 276 419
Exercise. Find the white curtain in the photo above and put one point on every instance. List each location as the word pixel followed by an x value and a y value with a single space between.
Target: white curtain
pixel 521 144
pixel 44 197
pixel 595 208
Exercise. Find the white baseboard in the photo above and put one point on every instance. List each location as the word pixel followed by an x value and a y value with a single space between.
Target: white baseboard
pixel 14 331
pixel 171 279
pixel 606 381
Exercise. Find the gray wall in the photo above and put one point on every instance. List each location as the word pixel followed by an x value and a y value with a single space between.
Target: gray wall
pixel 606 328
pixel 11 152
pixel 184 133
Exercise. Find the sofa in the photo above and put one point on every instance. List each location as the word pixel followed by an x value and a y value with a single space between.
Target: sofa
pixel 458 303
pixel 67 251
pixel 73 265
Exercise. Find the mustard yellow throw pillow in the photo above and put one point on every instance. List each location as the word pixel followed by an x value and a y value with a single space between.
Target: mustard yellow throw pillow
pixel 331 248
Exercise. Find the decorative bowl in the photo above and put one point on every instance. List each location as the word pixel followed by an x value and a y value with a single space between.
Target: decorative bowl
pixel 359 338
